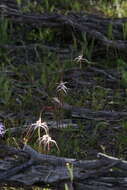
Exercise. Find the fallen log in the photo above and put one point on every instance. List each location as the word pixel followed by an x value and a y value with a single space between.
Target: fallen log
pixel 84 113
pixel 78 24
pixel 25 167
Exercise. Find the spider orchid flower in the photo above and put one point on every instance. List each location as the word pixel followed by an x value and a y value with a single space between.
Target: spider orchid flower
pixel 80 58
pixel 62 87
pixel 37 125
pixel 46 140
